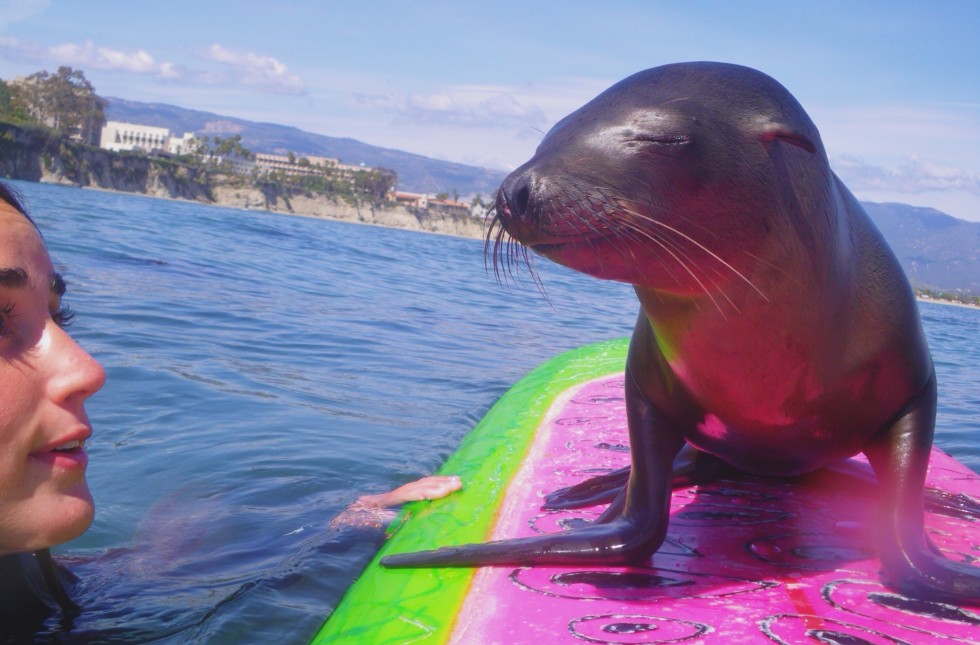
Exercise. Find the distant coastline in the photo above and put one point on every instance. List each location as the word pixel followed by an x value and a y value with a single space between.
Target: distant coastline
pixel 40 155
pixel 322 207
pixel 952 303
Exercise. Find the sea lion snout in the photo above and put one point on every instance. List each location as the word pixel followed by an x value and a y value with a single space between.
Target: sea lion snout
pixel 540 206
pixel 513 205
pixel 515 191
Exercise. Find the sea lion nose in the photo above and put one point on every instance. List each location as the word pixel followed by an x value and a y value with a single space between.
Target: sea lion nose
pixel 516 193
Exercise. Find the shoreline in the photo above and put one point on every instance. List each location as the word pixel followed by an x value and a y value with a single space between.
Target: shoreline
pixel 950 303
pixel 345 213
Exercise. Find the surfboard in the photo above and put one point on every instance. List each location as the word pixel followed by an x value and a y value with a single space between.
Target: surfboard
pixel 746 560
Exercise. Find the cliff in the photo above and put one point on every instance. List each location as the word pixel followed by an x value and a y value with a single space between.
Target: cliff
pixel 36 154
pixel 232 192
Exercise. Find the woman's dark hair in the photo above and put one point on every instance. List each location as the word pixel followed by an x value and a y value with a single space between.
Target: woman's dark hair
pixel 12 197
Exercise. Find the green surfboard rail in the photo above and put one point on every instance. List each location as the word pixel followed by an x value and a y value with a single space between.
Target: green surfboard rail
pixel 389 606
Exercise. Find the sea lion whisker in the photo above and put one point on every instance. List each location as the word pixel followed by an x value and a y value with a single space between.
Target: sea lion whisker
pixel 626 218
pixel 624 227
pixel 490 224
pixel 508 255
pixel 789 276
pixel 600 216
pixel 507 264
pixel 705 249
pixel 682 259
pixel 620 198
pixel 683 265
pixel 710 272
pixel 501 250
pixel 614 228
pixel 490 255
pixel 504 255
pixel 615 195
pixel 632 233
pixel 535 276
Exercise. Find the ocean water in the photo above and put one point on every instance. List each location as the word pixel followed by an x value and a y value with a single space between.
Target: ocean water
pixel 265 370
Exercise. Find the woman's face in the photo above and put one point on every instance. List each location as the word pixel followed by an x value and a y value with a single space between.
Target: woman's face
pixel 44 381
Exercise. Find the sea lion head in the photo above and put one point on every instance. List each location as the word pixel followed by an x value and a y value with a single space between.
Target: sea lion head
pixel 671 179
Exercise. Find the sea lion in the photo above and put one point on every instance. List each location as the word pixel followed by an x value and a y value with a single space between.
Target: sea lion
pixel 776 332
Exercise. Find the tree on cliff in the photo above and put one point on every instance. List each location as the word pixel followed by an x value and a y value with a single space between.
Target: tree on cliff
pixel 64 101
pixel 375 183
pixel 11 109
pixel 231 147
pixel 7 112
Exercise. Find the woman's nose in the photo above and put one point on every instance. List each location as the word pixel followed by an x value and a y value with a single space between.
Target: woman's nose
pixel 75 373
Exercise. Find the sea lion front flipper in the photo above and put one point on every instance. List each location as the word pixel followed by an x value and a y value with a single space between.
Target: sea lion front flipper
pixel 630 530
pixel 612 543
pixel 691 467
pixel 600 489
pixel 911 563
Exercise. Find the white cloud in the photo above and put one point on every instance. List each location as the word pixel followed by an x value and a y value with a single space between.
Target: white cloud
pixel 436 103
pixel 919 153
pixel 463 106
pixel 894 133
pixel 169 71
pixel 913 176
pixel 256 70
pixel 263 73
pixel 86 56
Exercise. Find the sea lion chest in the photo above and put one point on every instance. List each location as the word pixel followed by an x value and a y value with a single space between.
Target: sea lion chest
pixel 770 389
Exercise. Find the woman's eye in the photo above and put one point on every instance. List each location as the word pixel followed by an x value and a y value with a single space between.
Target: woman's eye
pixel 63 316
pixel 6 311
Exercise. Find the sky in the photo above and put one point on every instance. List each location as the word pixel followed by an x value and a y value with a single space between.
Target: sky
pixel 893 86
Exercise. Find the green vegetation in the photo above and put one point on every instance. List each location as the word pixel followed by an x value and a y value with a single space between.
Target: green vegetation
pixel 447 196
pixel 372 184
pixel 10 110
pixel 64 101
pixel 947 296
pixel 63 109
pixel 231 147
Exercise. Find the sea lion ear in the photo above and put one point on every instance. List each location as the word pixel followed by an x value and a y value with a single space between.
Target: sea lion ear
pixel 779 132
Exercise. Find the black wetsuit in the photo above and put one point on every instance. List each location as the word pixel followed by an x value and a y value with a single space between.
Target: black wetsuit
pixel 32 589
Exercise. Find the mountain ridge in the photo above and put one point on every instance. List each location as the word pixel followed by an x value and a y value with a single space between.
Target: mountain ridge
pixel 936 250
pixel 416 173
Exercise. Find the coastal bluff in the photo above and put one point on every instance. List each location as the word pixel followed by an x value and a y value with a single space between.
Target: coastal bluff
pixel 273 198
pixel 35 154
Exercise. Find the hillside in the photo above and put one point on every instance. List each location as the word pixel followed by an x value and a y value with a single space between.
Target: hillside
pixel 415 172
pixel 937 250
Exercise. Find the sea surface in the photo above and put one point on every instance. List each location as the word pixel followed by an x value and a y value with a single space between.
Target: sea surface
pixel 265 370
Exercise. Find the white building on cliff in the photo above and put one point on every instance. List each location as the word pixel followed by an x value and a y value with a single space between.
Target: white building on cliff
pixel 117 136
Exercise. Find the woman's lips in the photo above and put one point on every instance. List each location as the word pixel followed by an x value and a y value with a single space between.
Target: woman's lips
pixel 67 454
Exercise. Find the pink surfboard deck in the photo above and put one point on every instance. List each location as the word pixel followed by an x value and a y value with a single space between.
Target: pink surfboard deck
pixel 747 560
